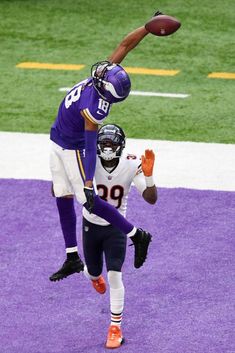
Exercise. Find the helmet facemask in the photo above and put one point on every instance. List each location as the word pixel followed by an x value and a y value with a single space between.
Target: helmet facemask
pixel 111 142
pixel 109 150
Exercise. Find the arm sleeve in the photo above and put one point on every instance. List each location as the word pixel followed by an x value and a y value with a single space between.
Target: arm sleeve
pixel 90 153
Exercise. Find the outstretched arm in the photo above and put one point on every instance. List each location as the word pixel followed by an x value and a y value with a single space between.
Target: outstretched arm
pixel 127 44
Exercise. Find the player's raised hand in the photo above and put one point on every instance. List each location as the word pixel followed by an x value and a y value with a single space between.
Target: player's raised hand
pixel 147 162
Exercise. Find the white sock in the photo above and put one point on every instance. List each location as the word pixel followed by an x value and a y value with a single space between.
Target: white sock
pixel 117 293
pixel 70 250
pixel 87 274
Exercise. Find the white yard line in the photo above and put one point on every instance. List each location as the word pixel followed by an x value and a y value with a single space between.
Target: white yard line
pixel 178 164
pixel 143 93
pixel 159 94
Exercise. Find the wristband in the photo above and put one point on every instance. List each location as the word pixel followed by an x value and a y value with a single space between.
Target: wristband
pixel 149 181
pixel 88 188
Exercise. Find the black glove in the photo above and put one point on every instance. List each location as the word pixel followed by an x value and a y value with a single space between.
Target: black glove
pixel 89 192
pixel 158 13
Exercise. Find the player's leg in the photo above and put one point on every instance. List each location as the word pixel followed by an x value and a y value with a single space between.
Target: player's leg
pixel 115 251
pixel 63 192
pixel 140 238
pixel 93 254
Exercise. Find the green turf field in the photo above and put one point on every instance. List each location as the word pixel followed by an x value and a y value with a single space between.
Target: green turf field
pixel 82 32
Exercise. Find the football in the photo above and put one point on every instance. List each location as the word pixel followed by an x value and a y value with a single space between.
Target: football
pixel 162 25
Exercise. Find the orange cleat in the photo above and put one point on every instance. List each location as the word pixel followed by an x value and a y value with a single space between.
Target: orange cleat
pixel 99 285
pixel 114 339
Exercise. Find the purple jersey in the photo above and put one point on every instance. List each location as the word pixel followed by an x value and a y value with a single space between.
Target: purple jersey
pixel 68 128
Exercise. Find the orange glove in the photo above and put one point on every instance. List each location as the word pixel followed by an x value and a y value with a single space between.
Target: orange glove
pixel 148 162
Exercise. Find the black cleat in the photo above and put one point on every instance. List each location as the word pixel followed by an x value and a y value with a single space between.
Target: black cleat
pixel 141 241
pixel 69 267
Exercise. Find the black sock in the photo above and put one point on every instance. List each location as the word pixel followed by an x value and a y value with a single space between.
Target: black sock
pixel 72 255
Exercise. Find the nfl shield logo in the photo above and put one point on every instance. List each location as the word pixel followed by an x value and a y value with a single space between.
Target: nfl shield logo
pixel 109 177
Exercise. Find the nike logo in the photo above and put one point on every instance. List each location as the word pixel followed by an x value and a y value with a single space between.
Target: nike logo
pixel 98 112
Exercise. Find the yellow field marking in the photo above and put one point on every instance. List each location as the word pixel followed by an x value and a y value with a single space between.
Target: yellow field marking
pixel 48 66
pixel 143 71
pixel 130 70
pixel 227 75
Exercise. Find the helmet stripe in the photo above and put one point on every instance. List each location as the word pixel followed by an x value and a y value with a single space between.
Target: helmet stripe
pixel 109 87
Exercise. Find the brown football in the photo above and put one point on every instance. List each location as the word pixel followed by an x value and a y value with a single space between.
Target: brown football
pixel 162 25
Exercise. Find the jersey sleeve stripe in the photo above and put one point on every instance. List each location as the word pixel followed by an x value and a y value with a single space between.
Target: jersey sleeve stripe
pixel 80 166
pixel 88 116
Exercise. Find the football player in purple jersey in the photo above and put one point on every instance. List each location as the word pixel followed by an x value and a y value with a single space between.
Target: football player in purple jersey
pixel 73 152
pixel 115 172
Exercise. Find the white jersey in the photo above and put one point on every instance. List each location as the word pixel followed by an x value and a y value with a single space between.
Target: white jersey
pixel 114 186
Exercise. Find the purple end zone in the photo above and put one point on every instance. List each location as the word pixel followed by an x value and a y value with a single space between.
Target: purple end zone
pixel 180 301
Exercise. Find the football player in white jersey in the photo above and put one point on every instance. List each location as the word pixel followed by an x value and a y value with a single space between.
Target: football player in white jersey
pixel 115 172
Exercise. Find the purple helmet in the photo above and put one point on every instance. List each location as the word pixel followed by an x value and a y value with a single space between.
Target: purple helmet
pixel 111 81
